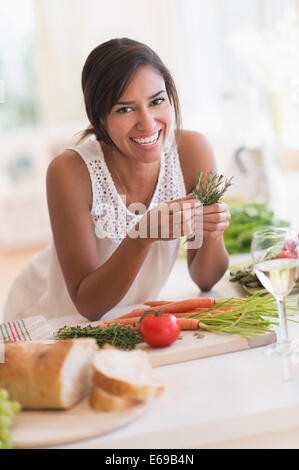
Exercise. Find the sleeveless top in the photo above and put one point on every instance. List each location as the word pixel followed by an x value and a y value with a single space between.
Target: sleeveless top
pixel 40 289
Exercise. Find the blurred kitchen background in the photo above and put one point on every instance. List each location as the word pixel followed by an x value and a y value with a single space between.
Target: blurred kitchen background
pixel 236 66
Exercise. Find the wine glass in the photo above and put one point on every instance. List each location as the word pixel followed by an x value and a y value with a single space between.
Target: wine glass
pixel 275 256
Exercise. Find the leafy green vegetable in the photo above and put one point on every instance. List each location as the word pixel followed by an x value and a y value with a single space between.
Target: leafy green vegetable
pixel 119 336
pixel 247 218
pixel 246 277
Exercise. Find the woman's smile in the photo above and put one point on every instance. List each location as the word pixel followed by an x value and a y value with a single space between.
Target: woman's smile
pixel 147 142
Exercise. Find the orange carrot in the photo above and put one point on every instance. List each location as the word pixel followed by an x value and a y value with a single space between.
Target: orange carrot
pixel 128 321
pixel 123 321
pixel 156 303
pixel 184 314
pixel 188 323
pixel 185 323
pixel 137 312
pixel 177 315
pixel 189 304
pixel 199 309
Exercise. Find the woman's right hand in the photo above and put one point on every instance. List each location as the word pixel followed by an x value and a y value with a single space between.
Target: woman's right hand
pixel 168 221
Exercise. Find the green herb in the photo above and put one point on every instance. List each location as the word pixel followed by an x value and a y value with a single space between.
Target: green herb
pixel 247 277
pixel 199 335
pixel 247 218
pixel 117 335
pixel 211 190
pixel 244 318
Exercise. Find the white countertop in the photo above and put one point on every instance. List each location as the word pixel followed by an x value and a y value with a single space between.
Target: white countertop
pixel 242 399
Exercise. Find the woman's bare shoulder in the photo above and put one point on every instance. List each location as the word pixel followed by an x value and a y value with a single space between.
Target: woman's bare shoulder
pixel 68 171
pixel 196 154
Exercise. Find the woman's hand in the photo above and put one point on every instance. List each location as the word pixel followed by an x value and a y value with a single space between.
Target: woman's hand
pixel 215 220
pixel 167 221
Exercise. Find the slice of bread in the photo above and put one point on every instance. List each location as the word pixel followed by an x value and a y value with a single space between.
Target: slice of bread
pixel 48 376
pixel 101 400
pixel 126 374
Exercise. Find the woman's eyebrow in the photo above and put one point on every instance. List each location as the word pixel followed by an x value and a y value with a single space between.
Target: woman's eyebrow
pixel 150 98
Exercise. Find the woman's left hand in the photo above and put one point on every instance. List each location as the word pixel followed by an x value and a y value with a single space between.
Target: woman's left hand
pixel 215 220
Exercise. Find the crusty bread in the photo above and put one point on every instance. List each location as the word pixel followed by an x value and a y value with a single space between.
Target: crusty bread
pixel 101 400
pixel 126 374
pixel 46 376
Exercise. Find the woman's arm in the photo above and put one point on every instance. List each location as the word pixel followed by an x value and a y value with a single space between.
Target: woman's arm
pixel 94 290
pixel 208 263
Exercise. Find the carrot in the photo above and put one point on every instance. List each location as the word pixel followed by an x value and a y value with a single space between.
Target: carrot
pixel 185 323
pixel 123 321
pixel 189 304
pixel 128 321
pixel 188 323
pixel 184 314
pixel 227 307
pixel 199 309
pixel 137 312
pixel 156 303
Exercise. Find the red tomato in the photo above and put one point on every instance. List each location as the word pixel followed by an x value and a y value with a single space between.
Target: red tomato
pixel 286 254
pixel 289 245
pixel 159 331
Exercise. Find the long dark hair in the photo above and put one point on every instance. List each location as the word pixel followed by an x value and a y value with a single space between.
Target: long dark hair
pixel 106 74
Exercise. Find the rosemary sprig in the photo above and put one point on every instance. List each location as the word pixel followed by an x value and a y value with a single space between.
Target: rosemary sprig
pixel 211 190
pixel 119 336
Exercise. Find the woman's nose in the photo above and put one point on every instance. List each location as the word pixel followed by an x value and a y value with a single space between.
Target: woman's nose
pixel 146 121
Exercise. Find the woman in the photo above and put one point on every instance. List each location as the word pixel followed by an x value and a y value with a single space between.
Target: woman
pixel 129 155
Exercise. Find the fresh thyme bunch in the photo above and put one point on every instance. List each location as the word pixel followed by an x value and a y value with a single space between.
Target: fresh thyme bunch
pixel 119 336
pixel 212 190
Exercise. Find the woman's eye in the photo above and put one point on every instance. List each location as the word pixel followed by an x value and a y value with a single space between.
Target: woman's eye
pixel 124 110
pixel 158 101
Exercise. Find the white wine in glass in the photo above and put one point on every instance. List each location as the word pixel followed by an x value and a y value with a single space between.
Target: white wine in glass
pixel 275 257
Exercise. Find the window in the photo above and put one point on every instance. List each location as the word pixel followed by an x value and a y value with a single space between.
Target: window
pixel 17 83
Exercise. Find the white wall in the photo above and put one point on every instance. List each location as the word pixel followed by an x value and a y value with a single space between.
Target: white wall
pixel 67 31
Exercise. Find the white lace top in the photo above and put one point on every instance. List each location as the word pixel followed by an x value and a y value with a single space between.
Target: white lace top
pixel 40 289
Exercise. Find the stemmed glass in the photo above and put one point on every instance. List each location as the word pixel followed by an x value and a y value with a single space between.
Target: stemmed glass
pixel 275 256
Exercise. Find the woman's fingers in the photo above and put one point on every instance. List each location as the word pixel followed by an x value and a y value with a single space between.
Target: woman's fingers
pixel 217 217
pixel 182 204
pixel 173 219
pixel 215 208
pixel 215 227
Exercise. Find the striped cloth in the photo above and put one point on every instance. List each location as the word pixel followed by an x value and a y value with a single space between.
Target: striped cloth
pixel 26 329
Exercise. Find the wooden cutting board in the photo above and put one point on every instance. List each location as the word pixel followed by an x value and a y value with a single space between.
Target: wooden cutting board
pixel 190 347
pixel 33 429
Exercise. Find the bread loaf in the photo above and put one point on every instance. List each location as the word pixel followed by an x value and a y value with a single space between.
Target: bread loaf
pixel 48 376
pixel 123 374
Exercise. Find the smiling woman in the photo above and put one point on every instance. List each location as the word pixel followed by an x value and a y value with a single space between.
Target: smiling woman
pixel 104 252
pixel 138 129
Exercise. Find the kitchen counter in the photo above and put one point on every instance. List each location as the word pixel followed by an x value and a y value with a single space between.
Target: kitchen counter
pixel 242 399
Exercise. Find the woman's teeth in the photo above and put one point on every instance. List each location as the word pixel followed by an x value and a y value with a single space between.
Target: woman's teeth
pixel 148 141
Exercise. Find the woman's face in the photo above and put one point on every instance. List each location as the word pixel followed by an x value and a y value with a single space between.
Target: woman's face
pixel 139 122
